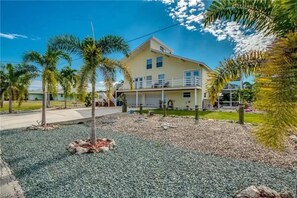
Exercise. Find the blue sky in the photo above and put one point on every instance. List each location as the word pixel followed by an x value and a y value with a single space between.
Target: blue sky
pixel 28 25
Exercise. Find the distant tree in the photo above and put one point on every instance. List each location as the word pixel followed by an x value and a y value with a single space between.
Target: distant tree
pixel 94 57
pixel 48 63
pixel 16 81
pixel 68 79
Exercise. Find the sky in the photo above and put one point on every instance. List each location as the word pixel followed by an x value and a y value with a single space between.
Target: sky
pixel 27 26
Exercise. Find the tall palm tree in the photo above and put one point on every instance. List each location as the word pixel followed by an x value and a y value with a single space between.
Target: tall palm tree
pixel 17 80
pixel 93 52
pixel 48 63
pixel 4 83
pixel 271 17
pixel 68 79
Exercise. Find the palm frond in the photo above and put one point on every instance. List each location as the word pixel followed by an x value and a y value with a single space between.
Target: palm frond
pixel 66 43
pixel 34 57
pixel 232 69
pixel 110 44
pixel 255 14
pixel 277 93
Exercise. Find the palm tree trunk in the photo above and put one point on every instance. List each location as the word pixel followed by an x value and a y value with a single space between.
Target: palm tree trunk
pixel 65 100
pixel 93 132
pixel 10 101
pixel 2 100
pixel 44 92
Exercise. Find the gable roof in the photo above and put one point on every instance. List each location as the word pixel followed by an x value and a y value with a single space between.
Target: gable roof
pixel 147 43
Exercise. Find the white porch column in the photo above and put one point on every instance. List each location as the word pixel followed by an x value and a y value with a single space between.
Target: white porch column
pixel 162 96
pixel 195 96
pixel 136 99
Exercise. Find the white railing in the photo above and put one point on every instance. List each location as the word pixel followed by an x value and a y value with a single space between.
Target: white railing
pixel 169 83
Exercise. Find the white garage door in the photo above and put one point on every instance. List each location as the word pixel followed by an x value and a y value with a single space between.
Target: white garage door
pixel 152 100
pixel 131 99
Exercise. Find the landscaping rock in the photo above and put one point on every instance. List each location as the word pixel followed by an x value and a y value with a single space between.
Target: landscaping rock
pixel 80 150
pixel 85 146
pixel 250 192
pixel 261 192
pixel 267 192
pixel 294 138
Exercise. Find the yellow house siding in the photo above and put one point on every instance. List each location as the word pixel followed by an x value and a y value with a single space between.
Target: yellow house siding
pixel 173 68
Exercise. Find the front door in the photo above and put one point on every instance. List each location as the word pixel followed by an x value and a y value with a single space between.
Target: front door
pixel 138 83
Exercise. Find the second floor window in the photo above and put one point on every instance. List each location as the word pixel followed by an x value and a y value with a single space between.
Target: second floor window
pixel 149 63
pixel 159 61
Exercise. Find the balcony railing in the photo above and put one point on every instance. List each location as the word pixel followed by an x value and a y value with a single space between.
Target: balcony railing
pixel 170 83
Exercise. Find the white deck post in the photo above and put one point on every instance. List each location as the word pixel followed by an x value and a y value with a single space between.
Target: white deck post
pixel 162 96
pixel 136 99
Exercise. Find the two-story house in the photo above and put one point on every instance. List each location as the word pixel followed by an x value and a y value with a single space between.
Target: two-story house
pixel 159 75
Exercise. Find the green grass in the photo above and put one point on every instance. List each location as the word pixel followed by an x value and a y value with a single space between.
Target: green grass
pixel 248 117
pixel 35 105
pixel 136 168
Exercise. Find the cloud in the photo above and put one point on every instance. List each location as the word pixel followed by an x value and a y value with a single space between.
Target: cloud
pixel 191 13
pixel 16 36
pixel 12 36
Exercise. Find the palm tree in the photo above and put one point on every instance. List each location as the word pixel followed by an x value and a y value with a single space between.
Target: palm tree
pixel 68 80
pixel 93 52
pixel 17 80
pixel 48 63
pixel 277 18
pixel 4 83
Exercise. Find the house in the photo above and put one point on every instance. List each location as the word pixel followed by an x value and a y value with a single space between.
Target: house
pixel 37 95
pixel 159 75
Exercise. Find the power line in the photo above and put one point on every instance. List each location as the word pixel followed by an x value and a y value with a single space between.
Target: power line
pixel 137 38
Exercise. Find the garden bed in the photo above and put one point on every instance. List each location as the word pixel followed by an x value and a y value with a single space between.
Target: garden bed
pixel 209 136
pixel 136 168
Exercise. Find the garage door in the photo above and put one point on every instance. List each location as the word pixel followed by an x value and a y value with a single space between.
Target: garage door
pixel 152 100
pixel 131 99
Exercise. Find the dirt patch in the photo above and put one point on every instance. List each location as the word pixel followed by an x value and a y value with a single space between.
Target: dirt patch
pixel 208 136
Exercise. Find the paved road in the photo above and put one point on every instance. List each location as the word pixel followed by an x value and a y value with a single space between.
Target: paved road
pixel 10 121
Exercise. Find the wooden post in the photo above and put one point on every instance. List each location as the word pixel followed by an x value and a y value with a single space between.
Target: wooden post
pixel 140 109
pixel 196 114
pixel 164 109
pixel 241 113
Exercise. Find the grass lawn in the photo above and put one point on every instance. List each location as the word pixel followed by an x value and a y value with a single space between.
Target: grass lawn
pixel 248 117
pixel 136 168
pixel 34 105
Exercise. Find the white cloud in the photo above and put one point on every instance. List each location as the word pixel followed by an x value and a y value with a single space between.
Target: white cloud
pixel 15 36
pixel 191 13
pixel 12 36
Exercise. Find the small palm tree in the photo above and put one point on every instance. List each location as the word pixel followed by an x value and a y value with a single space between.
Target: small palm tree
pixel 17 80
pixel 68 79
pixel 271 17
pixel 93 53
pixel 48 63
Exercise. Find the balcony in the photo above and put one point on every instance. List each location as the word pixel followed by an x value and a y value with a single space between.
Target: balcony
pixel 166 84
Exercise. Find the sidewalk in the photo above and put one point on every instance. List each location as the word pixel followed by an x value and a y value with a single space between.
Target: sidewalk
pixel 10 121
pixel 9 186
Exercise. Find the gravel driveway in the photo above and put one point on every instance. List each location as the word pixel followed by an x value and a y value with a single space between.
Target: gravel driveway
pixel 209 136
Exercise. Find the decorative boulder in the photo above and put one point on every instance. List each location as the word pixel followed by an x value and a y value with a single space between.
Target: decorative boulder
pixel 85 146
pixel 261 192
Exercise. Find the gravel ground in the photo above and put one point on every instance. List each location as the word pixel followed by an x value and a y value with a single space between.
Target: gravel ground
pixel 136 168
pixel 209 136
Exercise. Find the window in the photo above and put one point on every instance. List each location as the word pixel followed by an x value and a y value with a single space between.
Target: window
pixel 149 63
pixel 161 78
pixel 62 95
pixel 162 49
pixel 187 94
pixel 205 95
pixel 149 81
pixel 159 61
